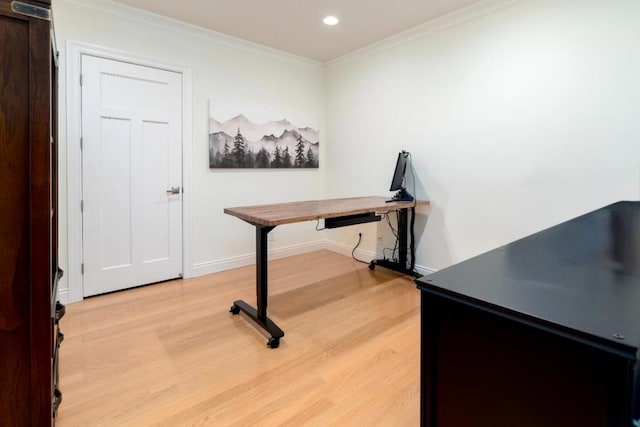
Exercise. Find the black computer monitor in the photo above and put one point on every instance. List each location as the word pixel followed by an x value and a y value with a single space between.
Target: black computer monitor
pixel 398 179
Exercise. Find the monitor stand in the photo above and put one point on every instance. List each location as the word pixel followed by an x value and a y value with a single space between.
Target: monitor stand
pixel 401 196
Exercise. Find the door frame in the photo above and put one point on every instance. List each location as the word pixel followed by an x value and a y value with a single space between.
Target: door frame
pixel 74 51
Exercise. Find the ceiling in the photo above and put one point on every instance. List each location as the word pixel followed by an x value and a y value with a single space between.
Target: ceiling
pixel 295 26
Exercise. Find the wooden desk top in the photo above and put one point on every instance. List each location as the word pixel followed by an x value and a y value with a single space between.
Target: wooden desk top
pixel 286 213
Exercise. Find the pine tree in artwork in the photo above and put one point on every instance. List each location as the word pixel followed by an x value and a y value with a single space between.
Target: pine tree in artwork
pixel 249 159
pixel 311 159
pixel 277 158
pixel 299 161
pixel 238 151
pixel 286 158
pixel 227 161
pixel 262 158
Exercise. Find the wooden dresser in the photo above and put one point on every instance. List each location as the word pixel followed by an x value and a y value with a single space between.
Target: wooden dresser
pixel 29 273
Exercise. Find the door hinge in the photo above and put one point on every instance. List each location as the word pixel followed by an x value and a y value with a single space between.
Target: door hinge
pixel 30 10
pixel 82 268
pixel 81 205
pixel 80 79
pixel 81 142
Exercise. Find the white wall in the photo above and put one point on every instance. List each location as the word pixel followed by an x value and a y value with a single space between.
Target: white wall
pixel 517 119
pixel 519 115
pixel 232 73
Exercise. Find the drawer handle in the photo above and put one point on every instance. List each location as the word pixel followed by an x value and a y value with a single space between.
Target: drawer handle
pixel 60 311
pixel 57 399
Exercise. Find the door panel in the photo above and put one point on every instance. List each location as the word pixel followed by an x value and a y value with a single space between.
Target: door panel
pixel 156 181
pixel 131 127
pixel 113 187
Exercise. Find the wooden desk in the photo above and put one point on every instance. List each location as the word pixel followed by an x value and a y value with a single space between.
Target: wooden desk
pixel 266 217
pixel 544 331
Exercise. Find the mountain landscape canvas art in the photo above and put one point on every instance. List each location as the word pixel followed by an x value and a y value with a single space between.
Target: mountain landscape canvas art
pixel 241 143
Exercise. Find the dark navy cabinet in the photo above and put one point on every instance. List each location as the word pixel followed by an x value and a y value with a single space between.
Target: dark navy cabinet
pixel 541 332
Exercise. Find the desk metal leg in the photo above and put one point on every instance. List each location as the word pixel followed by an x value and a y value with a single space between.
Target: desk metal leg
pixel 402 236
pixel 259 315
pixel 403 243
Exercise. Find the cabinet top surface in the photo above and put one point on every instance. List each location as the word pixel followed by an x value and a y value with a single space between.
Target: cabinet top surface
pixel 581 276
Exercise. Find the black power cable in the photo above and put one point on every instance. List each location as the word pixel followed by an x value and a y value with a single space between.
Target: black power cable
pixel 353 252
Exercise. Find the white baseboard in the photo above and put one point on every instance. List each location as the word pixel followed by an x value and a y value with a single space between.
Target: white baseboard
pixel 424 270
pixel 216 266
pixel 343 249
pixel 63 296
pixel 365 255
pixel 209 267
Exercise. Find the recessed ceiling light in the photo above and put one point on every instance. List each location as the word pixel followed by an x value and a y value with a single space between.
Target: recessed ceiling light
pixel 330 20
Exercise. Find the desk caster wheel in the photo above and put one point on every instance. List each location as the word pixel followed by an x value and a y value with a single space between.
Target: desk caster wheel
pixel 234 309
pixel 273 342
pixel 372 266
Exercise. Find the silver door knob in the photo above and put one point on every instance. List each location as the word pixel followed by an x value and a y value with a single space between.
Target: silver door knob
pixel 173 190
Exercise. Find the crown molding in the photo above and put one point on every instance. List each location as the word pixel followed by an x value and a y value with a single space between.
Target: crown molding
pixel 149 18
pixel 458 17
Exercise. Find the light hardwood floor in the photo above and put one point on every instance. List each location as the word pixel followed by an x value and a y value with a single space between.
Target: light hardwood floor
pixel 171 354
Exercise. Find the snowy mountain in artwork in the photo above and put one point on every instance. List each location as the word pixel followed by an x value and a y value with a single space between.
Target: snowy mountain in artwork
pixel 240 143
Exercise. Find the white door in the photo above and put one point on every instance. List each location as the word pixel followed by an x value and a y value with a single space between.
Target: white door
pixel 131 161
